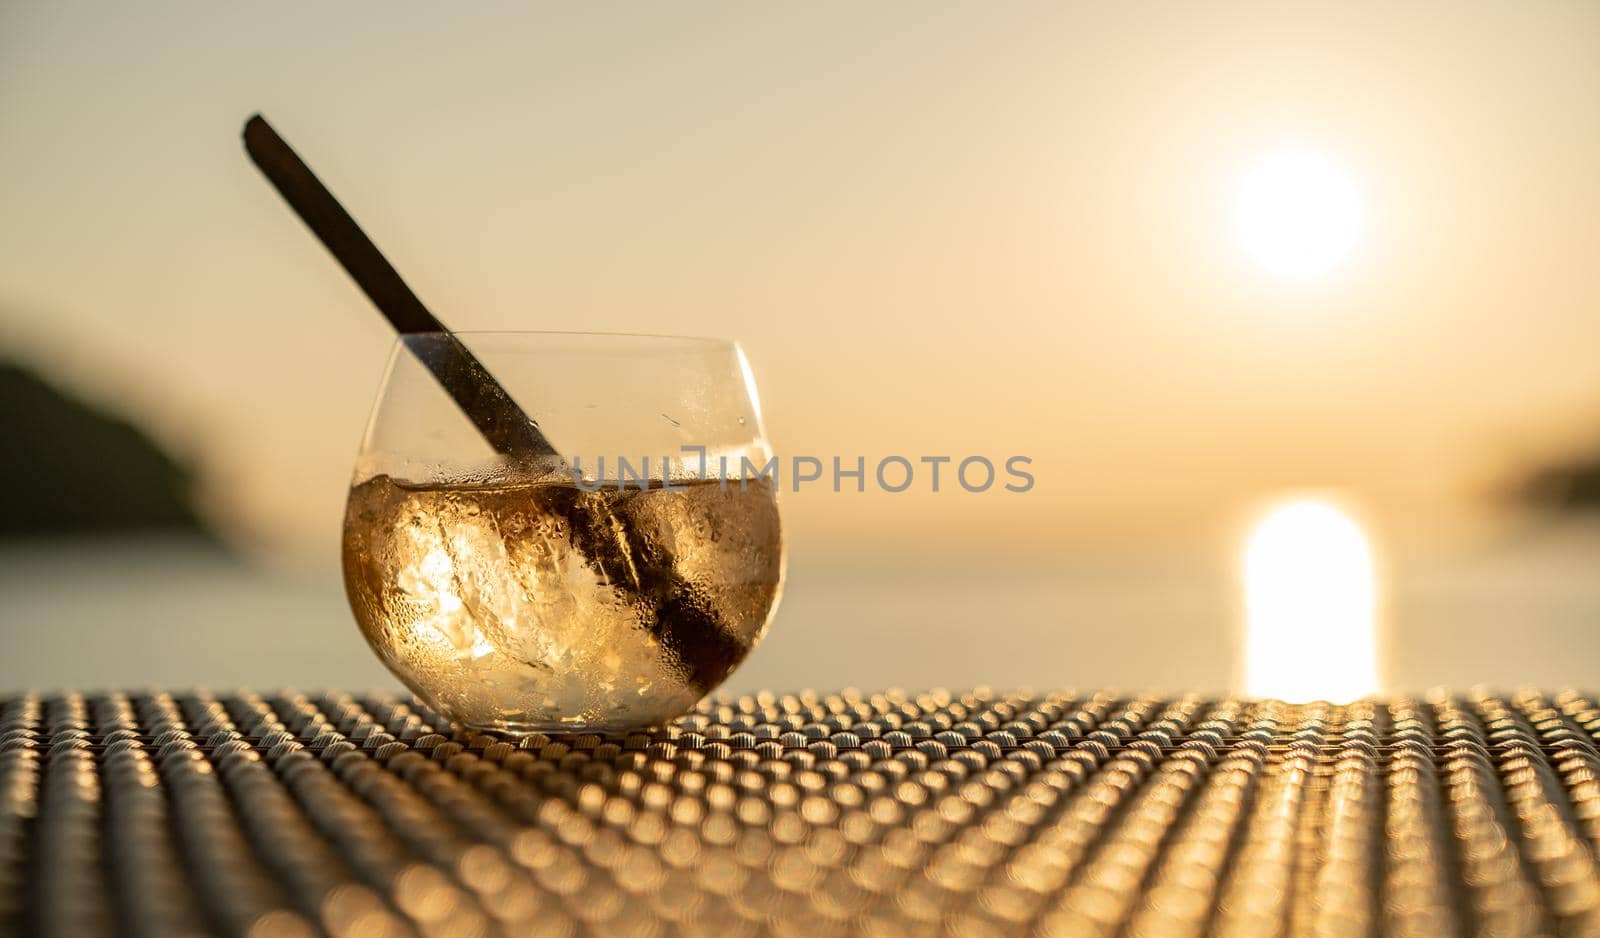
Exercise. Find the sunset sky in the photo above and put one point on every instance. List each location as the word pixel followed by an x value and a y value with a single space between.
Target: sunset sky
pixel 938 229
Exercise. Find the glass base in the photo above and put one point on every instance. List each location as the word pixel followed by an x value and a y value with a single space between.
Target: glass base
pixel 518 730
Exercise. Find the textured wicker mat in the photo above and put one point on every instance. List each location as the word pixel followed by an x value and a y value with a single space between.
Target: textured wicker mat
pixel 810 814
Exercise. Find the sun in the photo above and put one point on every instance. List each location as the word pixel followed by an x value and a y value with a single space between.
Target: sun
pixel 1299 214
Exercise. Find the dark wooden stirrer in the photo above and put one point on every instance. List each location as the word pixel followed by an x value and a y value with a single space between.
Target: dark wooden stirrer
pixel 510 431
pixel 685 625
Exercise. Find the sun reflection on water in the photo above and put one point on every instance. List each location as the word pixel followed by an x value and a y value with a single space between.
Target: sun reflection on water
pixel 1310 605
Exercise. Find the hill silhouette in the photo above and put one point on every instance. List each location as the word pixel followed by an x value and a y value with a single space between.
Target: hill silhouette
pixel 67 468
pixel 1574 486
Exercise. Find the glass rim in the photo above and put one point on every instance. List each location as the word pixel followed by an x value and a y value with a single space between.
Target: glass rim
pixel 571 334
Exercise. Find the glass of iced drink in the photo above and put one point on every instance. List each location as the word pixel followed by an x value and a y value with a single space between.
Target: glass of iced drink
pixel 605 588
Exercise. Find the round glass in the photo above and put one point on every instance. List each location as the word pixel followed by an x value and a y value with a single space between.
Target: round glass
pixel 604 581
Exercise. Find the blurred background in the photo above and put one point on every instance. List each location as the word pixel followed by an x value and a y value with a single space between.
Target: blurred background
pixel 1198 263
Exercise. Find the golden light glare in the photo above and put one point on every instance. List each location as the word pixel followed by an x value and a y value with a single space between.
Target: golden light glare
pixel 1299 214
pixel 1310 606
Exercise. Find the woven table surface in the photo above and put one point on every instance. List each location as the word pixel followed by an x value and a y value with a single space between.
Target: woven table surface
pixel 811 814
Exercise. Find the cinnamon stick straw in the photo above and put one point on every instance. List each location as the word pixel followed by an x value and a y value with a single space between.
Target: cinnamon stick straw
pixel 510 431
pixel 687 627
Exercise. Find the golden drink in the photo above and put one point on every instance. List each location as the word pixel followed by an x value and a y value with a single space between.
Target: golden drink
pixel 539 605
